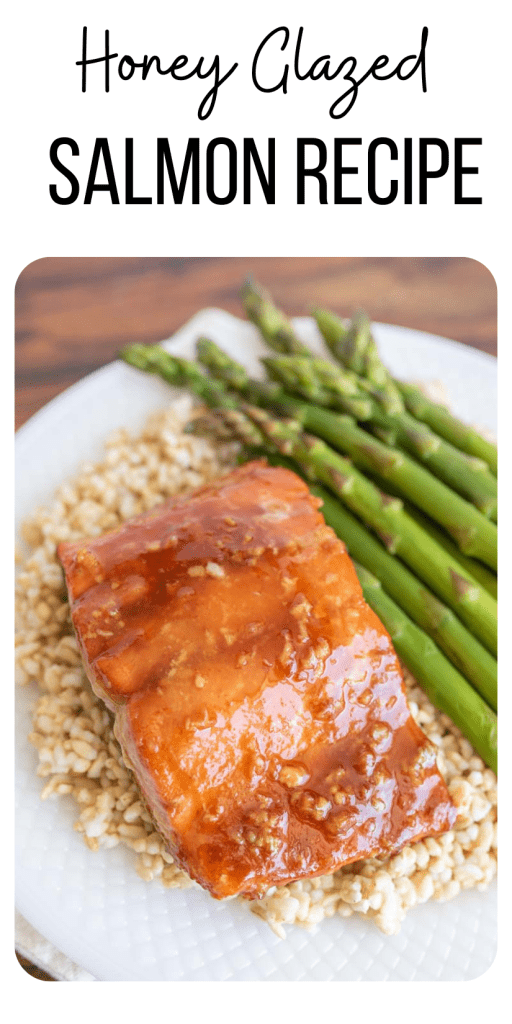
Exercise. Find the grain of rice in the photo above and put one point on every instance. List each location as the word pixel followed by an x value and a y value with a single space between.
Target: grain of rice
pixel 72 730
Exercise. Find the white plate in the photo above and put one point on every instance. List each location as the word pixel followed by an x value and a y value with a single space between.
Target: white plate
pixel 92 906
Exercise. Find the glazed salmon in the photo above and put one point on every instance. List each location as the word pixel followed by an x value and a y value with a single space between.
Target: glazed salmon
pixel 257 697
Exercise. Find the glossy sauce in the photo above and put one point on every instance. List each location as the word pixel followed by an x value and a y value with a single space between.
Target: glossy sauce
pixel 258 699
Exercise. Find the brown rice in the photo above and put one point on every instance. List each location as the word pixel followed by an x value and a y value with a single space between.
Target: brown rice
pixel 72 731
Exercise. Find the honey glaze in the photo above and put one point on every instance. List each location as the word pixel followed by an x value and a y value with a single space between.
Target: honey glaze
pixel 258 699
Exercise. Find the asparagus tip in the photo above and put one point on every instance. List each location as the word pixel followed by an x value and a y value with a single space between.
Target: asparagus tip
pixel 135 354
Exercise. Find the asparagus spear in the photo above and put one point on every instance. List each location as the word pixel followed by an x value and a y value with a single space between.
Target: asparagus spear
pixel 385 515
pixel 443 684
pixel 486 577
pixel 280 335
pixel 179 372
pixel 468 476
pixel 472 532
pixel 441 420
pixel 232 373
pixel 273 324
pixel 355 349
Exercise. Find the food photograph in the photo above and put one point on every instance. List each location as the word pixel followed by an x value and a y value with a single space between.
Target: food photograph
pixel 256 619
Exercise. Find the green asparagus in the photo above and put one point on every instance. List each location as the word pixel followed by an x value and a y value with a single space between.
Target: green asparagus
pixel 452 429
pixel 179 372
pixel 273 324
pixel 467 475
pixel 443 684
pixel 355 348
pixel 234 375
pixel 473 533
pixel 485 576
pixel 470 477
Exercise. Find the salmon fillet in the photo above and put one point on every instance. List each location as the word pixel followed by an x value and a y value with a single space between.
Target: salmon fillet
pixel 257 697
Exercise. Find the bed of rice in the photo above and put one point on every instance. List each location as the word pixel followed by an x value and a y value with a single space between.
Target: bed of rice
pixel 72 731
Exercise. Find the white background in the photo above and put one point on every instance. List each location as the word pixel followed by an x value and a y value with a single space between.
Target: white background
pixel 468 95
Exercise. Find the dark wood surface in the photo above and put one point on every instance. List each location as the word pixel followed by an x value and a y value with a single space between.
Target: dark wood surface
pixel 30 968
pixel 73 314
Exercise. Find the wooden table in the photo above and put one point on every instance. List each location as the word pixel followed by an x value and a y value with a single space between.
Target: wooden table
pixel 73 315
